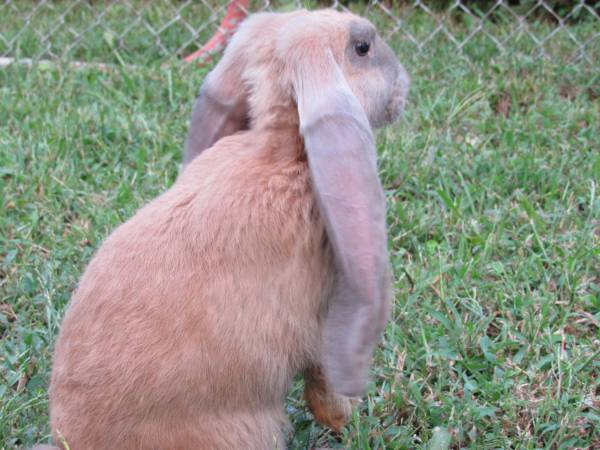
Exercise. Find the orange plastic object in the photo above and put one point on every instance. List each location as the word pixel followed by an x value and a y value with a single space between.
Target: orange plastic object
pixel 237 10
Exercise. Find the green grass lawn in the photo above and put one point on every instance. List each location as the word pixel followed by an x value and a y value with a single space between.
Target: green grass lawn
pixel 493 186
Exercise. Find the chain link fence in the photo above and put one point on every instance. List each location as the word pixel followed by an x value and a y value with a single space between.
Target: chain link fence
pixel 143 32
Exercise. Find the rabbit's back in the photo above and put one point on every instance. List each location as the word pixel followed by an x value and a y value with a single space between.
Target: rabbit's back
pixel 203 305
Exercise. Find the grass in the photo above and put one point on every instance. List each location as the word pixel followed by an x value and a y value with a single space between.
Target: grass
pixel 493 185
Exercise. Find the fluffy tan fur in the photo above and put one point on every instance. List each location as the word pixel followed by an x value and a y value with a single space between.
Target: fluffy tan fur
pixel 194 316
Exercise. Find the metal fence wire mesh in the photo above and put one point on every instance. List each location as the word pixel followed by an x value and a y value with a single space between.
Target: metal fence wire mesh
pixel 142 32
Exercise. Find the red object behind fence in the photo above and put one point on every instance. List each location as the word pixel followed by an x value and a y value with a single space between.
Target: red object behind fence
pixel 237 10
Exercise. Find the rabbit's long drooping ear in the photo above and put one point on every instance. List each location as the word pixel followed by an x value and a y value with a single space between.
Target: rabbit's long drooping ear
pixel 221 108
pixel 342 162
pixel 217 113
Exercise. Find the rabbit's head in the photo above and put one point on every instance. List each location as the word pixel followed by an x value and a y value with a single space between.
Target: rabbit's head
pixel 279 61
pixel 330 76
pixel 324 50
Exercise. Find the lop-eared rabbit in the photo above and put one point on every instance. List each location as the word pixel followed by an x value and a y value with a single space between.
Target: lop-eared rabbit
pixel 266 259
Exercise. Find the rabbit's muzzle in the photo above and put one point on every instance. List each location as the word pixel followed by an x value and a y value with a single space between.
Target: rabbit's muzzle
pixel 397 97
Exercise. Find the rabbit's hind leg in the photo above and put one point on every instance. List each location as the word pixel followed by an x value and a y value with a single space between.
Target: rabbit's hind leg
pixel 252 430
pixel 223 430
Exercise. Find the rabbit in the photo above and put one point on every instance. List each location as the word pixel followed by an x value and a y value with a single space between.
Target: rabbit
pixel 266 259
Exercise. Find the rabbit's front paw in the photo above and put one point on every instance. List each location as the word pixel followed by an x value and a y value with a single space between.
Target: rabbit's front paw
pixel 330 409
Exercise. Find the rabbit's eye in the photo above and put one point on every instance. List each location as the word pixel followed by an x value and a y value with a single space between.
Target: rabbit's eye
pixel 362 48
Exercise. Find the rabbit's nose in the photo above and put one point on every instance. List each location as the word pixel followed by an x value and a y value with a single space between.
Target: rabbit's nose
pixel 397 99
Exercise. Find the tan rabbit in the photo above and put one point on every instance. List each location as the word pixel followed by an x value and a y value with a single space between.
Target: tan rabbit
pixel 267 258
